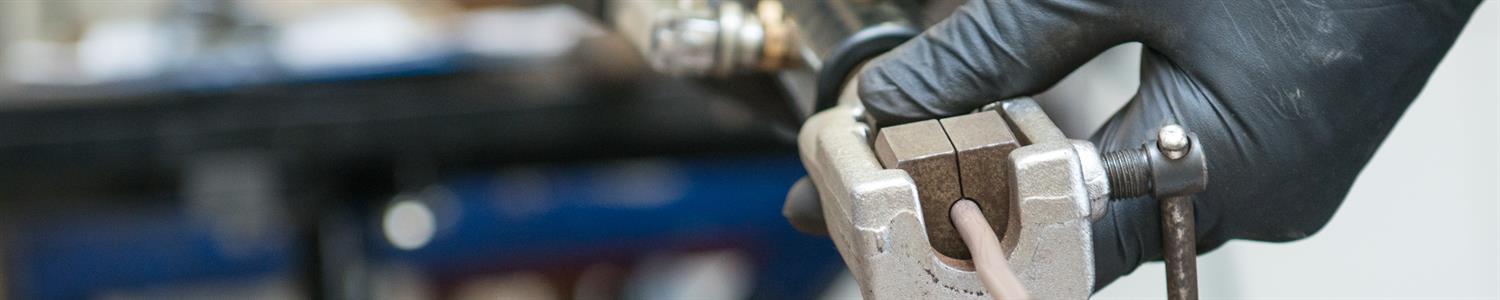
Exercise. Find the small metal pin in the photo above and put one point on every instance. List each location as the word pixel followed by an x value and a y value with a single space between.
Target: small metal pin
pixel 1172 140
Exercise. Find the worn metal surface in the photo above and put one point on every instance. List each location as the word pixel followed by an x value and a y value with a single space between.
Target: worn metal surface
pixel 874 217
pixel 1095 179
pixel 984 142
pixel 1055 254
pixel 922 150
pixel 1179 247
pixel 1056 247
pixel 1175 178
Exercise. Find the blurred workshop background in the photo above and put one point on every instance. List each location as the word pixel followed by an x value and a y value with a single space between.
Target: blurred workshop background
pixel 493 149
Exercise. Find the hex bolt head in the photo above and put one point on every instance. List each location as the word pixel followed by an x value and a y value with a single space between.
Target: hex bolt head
pixel 1172 140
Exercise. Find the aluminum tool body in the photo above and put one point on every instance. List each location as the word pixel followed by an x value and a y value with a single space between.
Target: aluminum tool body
pixel 876 218
pixel 885 197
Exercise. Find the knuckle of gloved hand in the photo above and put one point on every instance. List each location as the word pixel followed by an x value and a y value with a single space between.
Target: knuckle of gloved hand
pixel 1280 194
pixel 883 99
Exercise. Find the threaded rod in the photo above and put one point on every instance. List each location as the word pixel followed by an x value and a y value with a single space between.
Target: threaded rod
pixel 1129 173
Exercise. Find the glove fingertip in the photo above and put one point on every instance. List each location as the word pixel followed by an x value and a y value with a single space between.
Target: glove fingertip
pixel 875 90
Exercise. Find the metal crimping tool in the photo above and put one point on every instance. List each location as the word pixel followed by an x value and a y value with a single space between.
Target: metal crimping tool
pixel 885 197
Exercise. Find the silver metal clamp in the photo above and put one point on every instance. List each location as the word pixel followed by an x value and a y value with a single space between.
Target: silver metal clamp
pixel 885 197
pixel 877 219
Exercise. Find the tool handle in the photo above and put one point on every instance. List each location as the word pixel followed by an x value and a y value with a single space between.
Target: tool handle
pixel 1180 242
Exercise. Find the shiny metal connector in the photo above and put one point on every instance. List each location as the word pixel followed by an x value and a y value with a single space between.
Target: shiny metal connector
pixel 718 39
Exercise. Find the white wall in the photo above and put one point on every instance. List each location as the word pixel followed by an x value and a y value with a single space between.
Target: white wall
pixel 1420 222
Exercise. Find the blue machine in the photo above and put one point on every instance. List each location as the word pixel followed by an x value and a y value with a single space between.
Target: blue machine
pixel 520 218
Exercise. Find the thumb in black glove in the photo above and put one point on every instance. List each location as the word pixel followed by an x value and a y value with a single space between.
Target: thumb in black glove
pixel 1289 98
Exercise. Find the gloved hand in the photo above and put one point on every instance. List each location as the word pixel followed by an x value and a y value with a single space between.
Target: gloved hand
pixel 1290 98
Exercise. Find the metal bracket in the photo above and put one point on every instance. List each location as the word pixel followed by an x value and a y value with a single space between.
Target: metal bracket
pixel 876 218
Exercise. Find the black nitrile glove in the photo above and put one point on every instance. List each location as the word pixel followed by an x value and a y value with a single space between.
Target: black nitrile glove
pixel 1290 98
